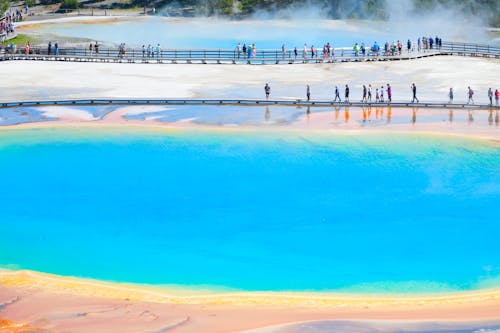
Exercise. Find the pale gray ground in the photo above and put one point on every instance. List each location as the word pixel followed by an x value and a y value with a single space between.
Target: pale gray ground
pixel 25 80
pixel 343 326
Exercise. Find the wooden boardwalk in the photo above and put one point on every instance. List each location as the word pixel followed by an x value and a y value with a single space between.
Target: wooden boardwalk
pixel 238 102
pixel 227 56
pixel 234 61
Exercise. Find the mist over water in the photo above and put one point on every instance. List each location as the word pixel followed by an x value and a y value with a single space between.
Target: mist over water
pixel 214 33
pixel 390 20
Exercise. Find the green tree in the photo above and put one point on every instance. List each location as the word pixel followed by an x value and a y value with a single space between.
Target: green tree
pixel 4 6
pixel 69 4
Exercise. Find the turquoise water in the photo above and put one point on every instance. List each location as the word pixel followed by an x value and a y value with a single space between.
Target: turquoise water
pixel 212 33
pixel 203 33
pixel 253 211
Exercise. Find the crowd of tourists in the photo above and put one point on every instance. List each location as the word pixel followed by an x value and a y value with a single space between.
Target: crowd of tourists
pixel 327 52
pixel 8 19
pixel 151 51
pixel 422 44
pixel 384 94
pixel 246 51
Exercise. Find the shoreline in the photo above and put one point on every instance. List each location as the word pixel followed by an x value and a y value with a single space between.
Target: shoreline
pixel 115 119
pixel 52 283
pixel 53 303
pixel 180 294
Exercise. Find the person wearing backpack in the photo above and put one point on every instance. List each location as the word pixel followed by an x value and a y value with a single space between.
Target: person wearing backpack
pixel 470 93
pixel 267 90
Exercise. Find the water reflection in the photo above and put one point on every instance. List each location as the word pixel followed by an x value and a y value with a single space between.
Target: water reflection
pixel 470 118
pixel 282 115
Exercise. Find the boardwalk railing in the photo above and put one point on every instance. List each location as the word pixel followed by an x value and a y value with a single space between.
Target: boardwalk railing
pixel 239 102
pixel 233 56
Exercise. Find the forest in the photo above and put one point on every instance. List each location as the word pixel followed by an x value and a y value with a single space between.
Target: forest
pixel 489 10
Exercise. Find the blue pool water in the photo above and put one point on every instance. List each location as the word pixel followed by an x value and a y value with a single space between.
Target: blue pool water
pixel 252 211
pixel 206 33
pixel 210 33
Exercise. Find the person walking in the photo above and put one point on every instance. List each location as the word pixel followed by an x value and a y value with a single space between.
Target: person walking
pixel 308 93
pixel 56 48
pixel 238 49
pixel 337 94
pixel 346 94
pixel 158 51
pixel 382 94
pixel 356 49
pixel 451 95
pixel 90 49
pixel 295 53
pixel 96 48
pixel 490 95
pixel 370 93
pixel 377 96
pixel 365 92
pixel 244 50
pixel 497 96
pixel 267 90
pixel 414 92
pixel 144 51
pixel 27 48
pixel 470 94
pixel 49 48
pixel 389 93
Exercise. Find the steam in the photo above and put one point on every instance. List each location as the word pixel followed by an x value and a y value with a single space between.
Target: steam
pixel 356 20
pixel 402 18
pixel 454 23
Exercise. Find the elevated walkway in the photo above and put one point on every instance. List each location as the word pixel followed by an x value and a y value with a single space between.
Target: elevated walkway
pixel 232 57
pixel 237 102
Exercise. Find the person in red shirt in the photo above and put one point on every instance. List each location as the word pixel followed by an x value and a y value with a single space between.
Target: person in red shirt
pixel 497 96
